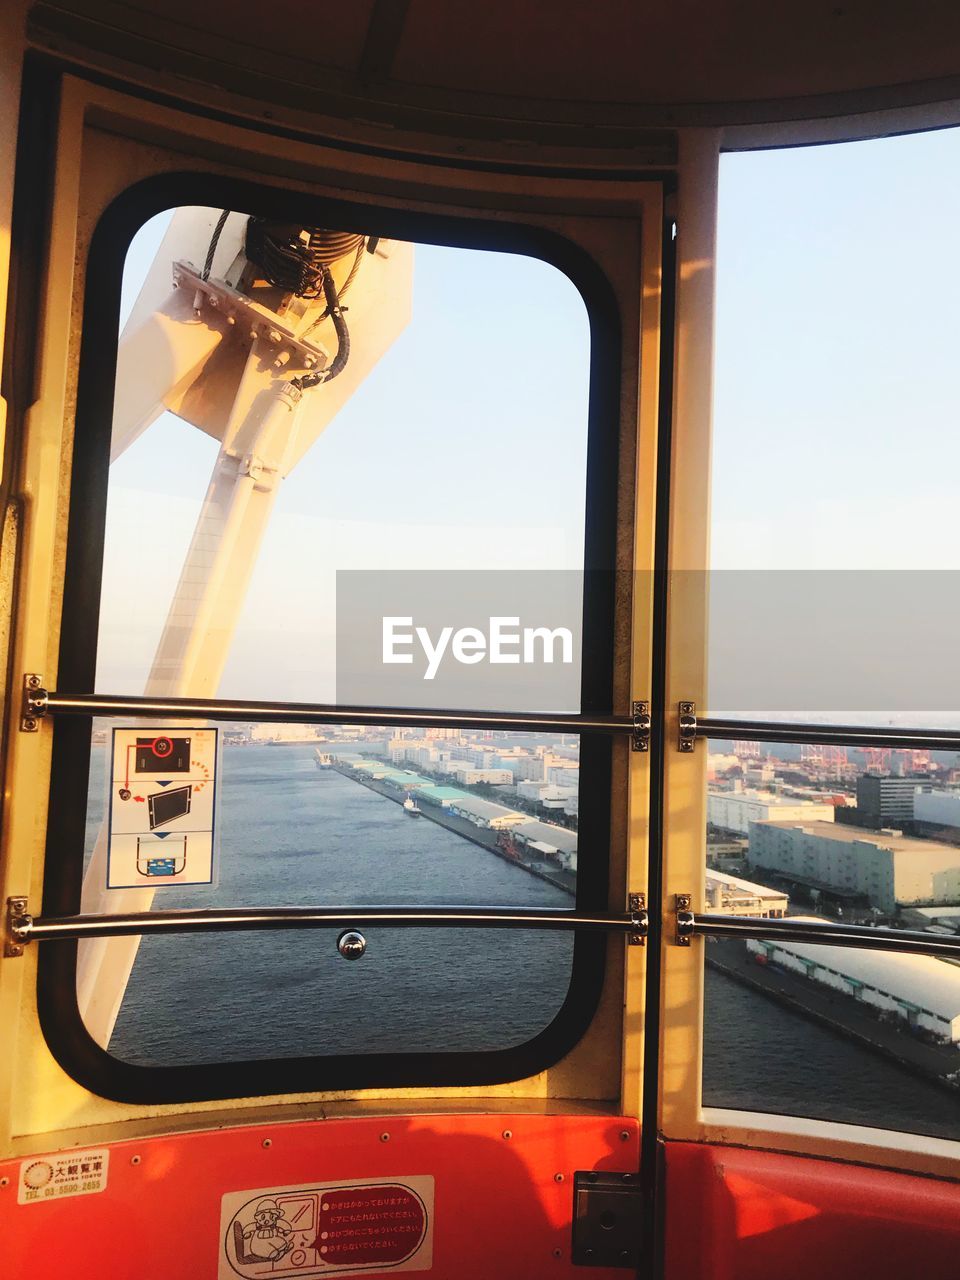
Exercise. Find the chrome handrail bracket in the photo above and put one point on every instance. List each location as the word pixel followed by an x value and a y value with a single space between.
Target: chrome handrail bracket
pixel 641 726
pixel 17 927
pixel 34 704
pixel 639 920
pixel 685 919
pixel 687 727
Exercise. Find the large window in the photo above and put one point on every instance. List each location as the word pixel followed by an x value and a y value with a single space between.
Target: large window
pixel 273 533
pixel 833 592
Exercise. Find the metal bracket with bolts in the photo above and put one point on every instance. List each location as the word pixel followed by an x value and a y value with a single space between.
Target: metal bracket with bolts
pixel 639 920
pixel 34 703
pixel 685 918
pixel 641 726
pixel 14 938
pixel 687 727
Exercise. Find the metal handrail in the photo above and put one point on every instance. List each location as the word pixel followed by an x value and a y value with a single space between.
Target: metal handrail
pixel 39 702
pixel 23 928
pixel 841 735
pixel 862 937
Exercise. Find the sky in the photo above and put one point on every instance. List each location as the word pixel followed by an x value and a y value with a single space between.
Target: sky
pixel 836 441
pixel 439 461
pixel 836 377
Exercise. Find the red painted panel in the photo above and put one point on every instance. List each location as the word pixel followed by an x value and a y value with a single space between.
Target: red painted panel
pixel 499 1210
pixel 755 1215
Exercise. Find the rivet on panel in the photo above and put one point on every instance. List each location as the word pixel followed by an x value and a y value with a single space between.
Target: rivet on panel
pixel 268 1142
pixel 508 1133
pixel 384 1137
pixel 134 1159
pixel 624 1135
pixel 558 1177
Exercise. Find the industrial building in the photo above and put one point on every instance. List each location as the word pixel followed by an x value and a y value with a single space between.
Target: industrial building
pixel 552 841
pixel 884 868
pixel 937 808
pixel 738 897
pixel 884 801
pixel 484 813
pixel 735 810
pixel 920 990
pixel 933 919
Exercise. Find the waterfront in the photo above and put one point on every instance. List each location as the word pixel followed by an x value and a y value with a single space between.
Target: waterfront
pixel 759 1055
pixel 485 837
pixel 293 833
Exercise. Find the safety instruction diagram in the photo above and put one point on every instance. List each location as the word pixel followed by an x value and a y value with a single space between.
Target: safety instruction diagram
pixel 328 1229
pixel 163 806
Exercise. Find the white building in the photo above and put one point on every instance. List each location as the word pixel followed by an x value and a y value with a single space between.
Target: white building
pixel 545 792
pixel 885 867
pixel 921 990
pixel 532 768
pixel 283 733
pixel 485 813
pixel 735 810
pixel 548 840
pixel 939 808
pixel 563 775
pixel 468 776
pixel 736 897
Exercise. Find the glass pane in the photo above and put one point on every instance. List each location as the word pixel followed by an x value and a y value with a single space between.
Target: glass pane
pixel 863 837
pixel 234 519
pixel 266 528
pixel 835 555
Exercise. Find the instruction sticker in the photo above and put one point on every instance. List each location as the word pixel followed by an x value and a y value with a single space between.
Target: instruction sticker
pixel 331 1228
pixel 163 792
pixel 78 1173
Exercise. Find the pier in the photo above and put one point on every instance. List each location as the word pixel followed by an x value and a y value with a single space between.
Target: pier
pixel 835 1011
pixel 483 836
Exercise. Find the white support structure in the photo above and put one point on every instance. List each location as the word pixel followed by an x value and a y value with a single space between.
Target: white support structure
pixel 265 426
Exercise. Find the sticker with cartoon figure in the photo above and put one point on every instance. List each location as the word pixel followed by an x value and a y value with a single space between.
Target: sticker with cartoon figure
pixel 328 1229
pixel 163 807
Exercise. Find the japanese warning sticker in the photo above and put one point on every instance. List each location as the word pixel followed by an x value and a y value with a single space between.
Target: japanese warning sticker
pixel 163 788
pixel 74 1173
pixel 334 1228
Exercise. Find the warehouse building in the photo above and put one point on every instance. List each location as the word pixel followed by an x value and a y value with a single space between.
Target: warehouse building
pixel 884 868
pixel 735 810
pixel 921 991
pixel 548 840
pixel 736 897
pixel 937 808
pixel 484 813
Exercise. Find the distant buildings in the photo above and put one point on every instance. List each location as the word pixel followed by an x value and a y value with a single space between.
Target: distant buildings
pixel 936 808
pixel 883 801
pixel 736 897
pixel 468 776
pixel 883 868
pixel 283 733
pixel 482 813
pixel 736 810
